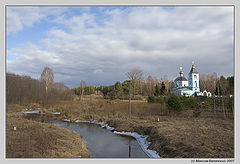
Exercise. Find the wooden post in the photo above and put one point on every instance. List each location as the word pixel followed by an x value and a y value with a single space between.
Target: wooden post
pixel 214 110
pixel 224 113
pixel 129 149
pixel 214 105
pixel 129 104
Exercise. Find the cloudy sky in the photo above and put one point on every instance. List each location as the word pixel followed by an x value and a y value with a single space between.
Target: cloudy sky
pixel 100 44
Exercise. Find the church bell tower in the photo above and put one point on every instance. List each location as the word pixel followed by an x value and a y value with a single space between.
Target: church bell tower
pixel 193 79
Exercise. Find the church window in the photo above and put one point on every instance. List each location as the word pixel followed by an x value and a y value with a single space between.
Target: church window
pixel 195 76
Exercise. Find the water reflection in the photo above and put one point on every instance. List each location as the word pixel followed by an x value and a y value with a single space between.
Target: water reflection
pixel 101 142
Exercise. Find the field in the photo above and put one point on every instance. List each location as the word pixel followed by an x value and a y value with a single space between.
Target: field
pixel 173 135
pixel 33 139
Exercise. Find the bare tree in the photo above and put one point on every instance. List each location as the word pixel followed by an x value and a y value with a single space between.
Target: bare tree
pixel 134 75
pixel 82 85
pixel 60 86
pixel 150 85
pixel 140 84
pixel 208 82
pixel 47 78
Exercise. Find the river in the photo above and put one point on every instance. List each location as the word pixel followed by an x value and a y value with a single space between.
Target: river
pixel 103 143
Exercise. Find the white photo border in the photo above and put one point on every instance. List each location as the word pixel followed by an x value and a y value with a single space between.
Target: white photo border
pixel 3 5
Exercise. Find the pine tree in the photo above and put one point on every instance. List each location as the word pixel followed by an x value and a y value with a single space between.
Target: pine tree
pixel 157 91
pixel 163 90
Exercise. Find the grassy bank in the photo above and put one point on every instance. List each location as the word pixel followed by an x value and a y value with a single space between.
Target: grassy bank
pixel 172 135
pixel 33 139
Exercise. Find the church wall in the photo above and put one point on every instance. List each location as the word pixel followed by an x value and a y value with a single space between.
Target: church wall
pixel 180 84
pixel 194 82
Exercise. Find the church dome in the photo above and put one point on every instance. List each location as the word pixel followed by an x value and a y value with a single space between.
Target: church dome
pixel 193 69
pixel 181 78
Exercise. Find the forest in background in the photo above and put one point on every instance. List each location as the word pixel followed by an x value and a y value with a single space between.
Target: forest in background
pixel 24 89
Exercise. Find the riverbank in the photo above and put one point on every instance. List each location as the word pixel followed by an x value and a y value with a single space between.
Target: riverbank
pixel 30 139
pixel 172 136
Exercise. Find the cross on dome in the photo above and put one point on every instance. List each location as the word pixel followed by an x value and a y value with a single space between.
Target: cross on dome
pixel 181 72
pixel 193 64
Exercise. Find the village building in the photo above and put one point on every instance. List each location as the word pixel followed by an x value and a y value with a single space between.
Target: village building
pixel 190 86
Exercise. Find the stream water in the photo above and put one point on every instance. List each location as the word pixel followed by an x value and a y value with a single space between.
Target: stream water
pixel 103 143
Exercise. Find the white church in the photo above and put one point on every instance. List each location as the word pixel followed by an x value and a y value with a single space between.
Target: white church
pixel 190 86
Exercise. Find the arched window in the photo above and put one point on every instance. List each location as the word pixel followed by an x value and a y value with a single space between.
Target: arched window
pixel 195 83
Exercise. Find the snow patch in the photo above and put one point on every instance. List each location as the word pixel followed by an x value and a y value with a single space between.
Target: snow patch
pixel 32 112
pixel 93 122
pixel 103 125
pixel 80 121
pixel 66 120
pixel 56 113
pixel 142 140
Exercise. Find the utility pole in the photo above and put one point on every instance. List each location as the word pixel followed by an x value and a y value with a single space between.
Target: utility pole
pixel 224 113
pixel 218 90
pixel 214 100
pixel 214 105
pixel 129 104
pixel 129 148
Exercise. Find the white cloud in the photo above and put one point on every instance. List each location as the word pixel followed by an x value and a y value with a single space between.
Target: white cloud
pixel 20 17
pixel 154 39
pixel 97 71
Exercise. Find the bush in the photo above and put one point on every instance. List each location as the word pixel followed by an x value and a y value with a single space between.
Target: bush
pixel 154 99
pixel 190 102
pixel 151 99
pixel 159 100
pixel 174 103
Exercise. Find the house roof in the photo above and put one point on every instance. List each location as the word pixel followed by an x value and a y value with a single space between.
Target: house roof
pixel 181 78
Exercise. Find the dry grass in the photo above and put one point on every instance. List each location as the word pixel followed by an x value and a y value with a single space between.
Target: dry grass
pixel 195 138
pixel 173 136
pixel 33 139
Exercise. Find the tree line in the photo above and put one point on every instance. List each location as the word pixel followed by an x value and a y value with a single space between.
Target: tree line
pixel 152 86
pixel 217 85
pixel 24 89
pixel 136 85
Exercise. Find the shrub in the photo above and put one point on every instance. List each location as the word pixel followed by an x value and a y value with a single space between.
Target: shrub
pixel 151 99
pixel 159 100
pixel 154 99
pixel 174 103
pixel 192 103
